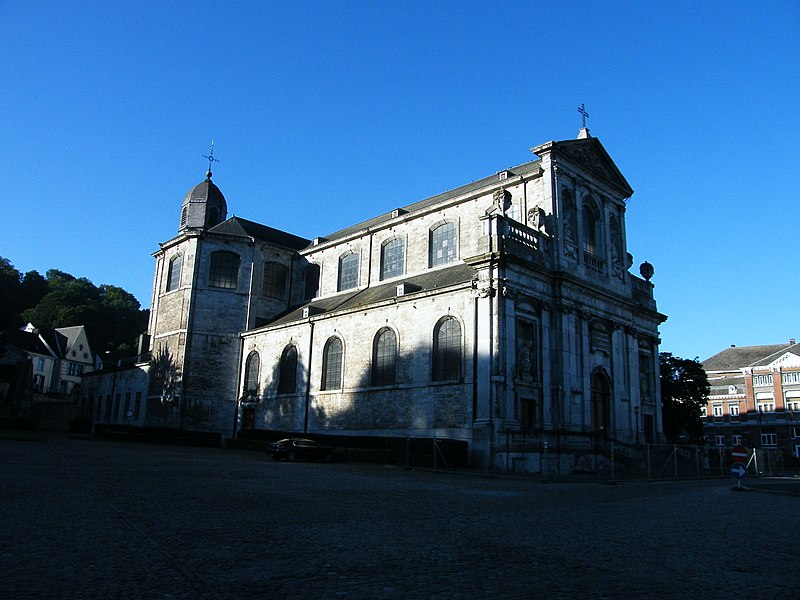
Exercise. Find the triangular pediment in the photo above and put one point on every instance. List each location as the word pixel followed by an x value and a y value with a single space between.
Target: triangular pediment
pixel 787 359
pixel 589 154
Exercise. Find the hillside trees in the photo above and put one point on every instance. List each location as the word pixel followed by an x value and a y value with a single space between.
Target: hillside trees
pixel 111 315
pixel 684 391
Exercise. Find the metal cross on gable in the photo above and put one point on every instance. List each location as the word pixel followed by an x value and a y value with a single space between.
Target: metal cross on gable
pixel 584 114
pixel 211 159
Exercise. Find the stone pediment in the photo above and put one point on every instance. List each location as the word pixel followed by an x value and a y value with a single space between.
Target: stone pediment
pixel 590 155
pixel 787 359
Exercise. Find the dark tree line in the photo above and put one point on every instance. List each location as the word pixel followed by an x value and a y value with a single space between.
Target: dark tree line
pixel 112 317
pixel 684 391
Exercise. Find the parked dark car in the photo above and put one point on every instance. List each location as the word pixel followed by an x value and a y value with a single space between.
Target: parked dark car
pixel 300 448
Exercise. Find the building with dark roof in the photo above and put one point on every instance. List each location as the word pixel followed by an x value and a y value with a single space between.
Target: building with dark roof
pixel 502 314
pixel 755 399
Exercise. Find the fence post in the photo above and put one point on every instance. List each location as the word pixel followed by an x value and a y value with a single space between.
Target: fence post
pixel 612 463
pixel 545 462
pixel 434 453
pixel 675 458
pixel 647 452
pixel 721 467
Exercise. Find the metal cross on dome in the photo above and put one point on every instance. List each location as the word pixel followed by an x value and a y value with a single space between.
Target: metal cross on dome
pixel 211 159
pixel 584 114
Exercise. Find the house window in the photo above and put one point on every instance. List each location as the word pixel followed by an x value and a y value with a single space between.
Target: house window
pixel 251 369
pixel 762 380
pixel 384 358
pixel 332 357
pixel 733 411
pixel 769 439
pixel 127 409
pixel 287 377
pixel 442 244
pixel 447 350
pixel 703 412
pixel 793 377
pixel 720 440
pixel 40 365
pixel 792 403
pixel 736 439
pixel 392 259
pixel 74 369
pixel 224 270
pixel 795 432
pixel 348 271
pixel 311 282
pixel 276 276
pixel 174 274
pixel 765 406
pixel 717 410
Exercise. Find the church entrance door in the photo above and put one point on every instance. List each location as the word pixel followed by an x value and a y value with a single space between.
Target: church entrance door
pixel 601 403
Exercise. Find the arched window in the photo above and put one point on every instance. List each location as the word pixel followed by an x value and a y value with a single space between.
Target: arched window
pixel 174 275
pixel 348 271
pixel 384 358
pixel 213 216
pixel 311 282
pixel 590 227
pixel 223 271
pixel 251 371
pixel 274 282
pixel 184 215
pixel 442 246
pixel 447 350
pixel 392 259
pixel 287 378
pixel 332 364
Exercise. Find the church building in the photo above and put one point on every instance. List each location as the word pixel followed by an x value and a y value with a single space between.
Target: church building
pixel 501 313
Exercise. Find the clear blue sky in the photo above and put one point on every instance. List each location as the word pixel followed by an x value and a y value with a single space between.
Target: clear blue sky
pixel 328 113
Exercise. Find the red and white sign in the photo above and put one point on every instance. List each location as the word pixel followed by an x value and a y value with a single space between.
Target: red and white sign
pixel 740 454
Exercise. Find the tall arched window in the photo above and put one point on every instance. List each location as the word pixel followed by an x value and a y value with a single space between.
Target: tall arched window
pixel 332 357
pixel 348 271
pixel 311 282
pixel 251 372
pixel 287 377
pixel 590 233
pixel 223 271
pixel 447 350
pixel 384 358
pixel 274 282
pixel 392 259
pixel 174 275
pixel 442 246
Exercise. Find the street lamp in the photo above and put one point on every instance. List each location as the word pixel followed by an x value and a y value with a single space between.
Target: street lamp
pixel 636 411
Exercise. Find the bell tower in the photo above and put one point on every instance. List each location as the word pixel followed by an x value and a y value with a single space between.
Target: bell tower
pixel 204 205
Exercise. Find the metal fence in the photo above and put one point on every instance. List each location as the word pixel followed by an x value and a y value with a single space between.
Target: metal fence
pixel 653 462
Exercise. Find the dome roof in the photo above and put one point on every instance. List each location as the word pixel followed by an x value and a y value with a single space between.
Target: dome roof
pixel 205 191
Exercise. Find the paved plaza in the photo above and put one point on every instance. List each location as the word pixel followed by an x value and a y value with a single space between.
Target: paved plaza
pixel 100 519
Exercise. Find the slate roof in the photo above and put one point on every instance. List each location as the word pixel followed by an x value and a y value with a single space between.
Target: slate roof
pixel 240 227
pixel 434 200
pixel 25 340
pixel 430 280
pixel 737 357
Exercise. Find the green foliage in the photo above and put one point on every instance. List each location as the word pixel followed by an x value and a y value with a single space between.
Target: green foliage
pixel 684 391
pixel 111 315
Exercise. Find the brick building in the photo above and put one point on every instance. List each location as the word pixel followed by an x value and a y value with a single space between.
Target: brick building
pixel 496 313
pixel 755 398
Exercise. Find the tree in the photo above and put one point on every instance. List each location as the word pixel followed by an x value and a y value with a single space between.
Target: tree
pixel 18 292
pixel 684 391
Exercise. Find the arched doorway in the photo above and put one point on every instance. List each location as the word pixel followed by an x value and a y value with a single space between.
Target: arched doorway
pixel 601 402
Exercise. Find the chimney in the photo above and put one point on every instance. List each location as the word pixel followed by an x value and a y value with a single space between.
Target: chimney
pixel 791 341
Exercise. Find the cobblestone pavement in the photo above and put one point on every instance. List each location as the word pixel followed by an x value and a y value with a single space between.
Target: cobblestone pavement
pixel 100 519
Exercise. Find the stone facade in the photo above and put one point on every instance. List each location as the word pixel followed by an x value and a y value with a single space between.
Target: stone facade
pixel 497 313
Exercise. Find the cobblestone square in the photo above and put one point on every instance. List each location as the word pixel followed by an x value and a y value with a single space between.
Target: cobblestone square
pixel 101 519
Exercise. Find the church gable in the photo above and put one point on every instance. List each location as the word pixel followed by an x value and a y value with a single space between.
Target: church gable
pixel 590 154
